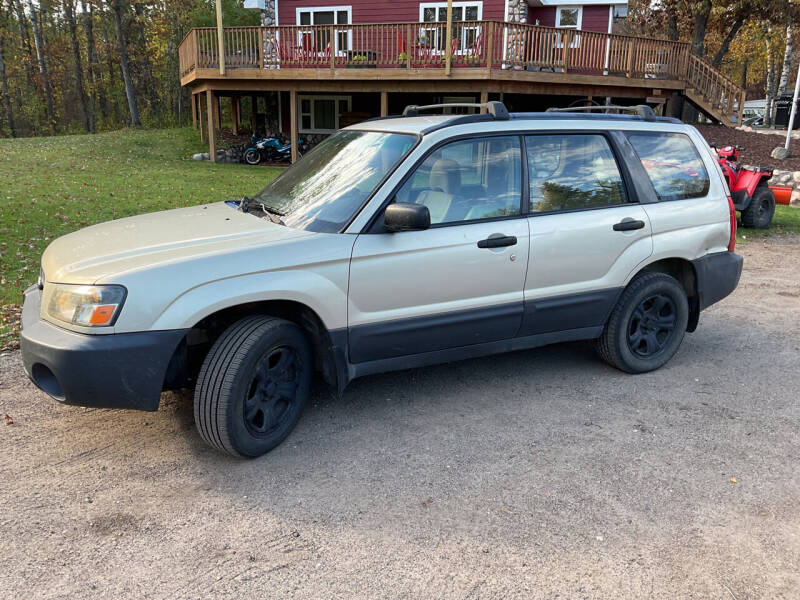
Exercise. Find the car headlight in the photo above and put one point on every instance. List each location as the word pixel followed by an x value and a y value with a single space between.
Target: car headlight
pixel 86 305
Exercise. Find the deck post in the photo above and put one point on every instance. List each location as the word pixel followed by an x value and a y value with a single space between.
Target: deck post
pixel 194 112
pixel 484 100
pixel 293 119
pixel 212 134
pixel 200 116
pixel 236 107
pixel 220 38
pixel 448 49
pixel 490 47
pixel 384 104
pixel 218 108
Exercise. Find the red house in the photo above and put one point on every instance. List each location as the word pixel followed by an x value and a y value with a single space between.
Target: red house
pixel 314 66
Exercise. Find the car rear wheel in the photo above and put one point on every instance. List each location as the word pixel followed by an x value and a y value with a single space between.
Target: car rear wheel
pixel 758 214
pixel 647 325
pixel 253 386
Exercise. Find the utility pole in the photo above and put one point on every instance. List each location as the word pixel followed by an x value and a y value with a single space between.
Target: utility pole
pixel 794 110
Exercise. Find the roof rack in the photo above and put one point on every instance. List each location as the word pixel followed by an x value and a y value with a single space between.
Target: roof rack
pixel 642 110
pixel 496 109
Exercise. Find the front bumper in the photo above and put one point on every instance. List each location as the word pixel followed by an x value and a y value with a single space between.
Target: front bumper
pixel 717 276
pixel 123 370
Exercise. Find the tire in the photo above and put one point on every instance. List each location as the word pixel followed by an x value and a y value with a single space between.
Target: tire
pixel 647 324
pixel 253 386
pixel 758 214
pixel 252 157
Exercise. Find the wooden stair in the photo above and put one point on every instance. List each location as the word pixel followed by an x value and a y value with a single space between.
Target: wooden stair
pixel 713 93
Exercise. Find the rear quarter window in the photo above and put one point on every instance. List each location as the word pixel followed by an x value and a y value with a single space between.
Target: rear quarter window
pixel 672 163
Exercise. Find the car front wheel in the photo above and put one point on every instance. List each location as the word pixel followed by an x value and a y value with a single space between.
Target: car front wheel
pixel 647 325
pixel 253 386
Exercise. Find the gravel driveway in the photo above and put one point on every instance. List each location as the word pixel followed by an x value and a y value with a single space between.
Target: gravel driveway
pixel 538 474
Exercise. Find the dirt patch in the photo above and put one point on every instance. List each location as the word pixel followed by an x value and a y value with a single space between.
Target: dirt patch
pixel 535 474
pixel 757 146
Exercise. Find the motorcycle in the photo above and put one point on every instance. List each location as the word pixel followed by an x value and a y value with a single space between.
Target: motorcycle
pixel 270 149
pixel 748 187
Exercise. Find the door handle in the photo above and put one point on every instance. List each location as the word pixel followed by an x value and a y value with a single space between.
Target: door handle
pixel 628 225
pixel 498 242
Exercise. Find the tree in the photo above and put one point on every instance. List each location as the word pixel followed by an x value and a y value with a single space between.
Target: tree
pixel 80 92
pixel 116 6
pixel 48 90
pixel 91 60
pixel 4 88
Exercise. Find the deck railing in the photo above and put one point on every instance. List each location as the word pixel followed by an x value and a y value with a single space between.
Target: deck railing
pixel 475 44
pixel 422 45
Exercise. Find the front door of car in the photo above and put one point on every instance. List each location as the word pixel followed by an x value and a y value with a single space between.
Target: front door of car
pixel 457 283
pixel 588 233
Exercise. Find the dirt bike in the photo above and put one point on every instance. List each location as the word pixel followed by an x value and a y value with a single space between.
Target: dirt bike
pixel 749 191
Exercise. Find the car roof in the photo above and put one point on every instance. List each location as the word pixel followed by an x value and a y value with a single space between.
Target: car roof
pixel 421 125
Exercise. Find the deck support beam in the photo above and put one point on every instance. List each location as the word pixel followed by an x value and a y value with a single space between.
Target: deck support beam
pixel 194 111
pixel 236 113
pixel 293 119
pixel 484 100
pixel 212 134
pixel 384 104
pixel 199 98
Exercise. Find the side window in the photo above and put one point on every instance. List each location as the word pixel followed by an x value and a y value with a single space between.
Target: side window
pixel 571 172
pixel 672 163
pixel 471 179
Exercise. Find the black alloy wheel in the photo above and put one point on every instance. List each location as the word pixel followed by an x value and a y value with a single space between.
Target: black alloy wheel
pixel 652 325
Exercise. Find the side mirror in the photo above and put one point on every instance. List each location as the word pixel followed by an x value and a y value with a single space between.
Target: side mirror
pixel 406 216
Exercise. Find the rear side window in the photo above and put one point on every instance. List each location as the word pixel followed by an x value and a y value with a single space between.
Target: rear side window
pixel 572 172
pixel 672 164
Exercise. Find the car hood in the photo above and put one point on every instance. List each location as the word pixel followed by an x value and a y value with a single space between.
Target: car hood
pixel 102 251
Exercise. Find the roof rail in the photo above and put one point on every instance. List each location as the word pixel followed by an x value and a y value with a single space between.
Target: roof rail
pixel 644 111
pixel 496 109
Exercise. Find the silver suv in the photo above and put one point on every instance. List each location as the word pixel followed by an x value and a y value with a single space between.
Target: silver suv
pixel 396 243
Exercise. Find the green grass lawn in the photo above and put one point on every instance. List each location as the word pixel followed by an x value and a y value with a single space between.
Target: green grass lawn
pixel 786 220
pixel 52 186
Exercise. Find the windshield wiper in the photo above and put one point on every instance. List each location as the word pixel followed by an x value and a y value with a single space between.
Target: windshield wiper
pixel 273 214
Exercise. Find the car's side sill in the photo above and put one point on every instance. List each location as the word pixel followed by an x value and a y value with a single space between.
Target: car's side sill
pixel 412 361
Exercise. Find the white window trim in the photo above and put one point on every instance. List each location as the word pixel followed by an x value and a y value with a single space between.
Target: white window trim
pixel 437 5
pixel 312 98
pixel 576 41
pixel 335 9
pixel 558 16
pixel 461 4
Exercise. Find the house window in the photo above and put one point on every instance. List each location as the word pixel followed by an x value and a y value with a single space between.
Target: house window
pixel 620 12
pixel 464 37
pixel 318 40
pixel 321 114
pixel 569 17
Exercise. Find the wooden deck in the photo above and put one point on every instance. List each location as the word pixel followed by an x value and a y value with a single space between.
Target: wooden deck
pixel 485 57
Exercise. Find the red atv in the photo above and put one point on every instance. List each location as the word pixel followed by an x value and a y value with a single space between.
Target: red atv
pixel 748 188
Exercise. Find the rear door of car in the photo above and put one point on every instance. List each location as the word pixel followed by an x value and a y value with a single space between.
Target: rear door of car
pixel 691 217
pixel 589 231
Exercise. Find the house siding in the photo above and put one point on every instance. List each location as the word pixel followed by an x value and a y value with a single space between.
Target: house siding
pixel 379 11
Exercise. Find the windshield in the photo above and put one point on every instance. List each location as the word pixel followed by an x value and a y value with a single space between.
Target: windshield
pixel 323 191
